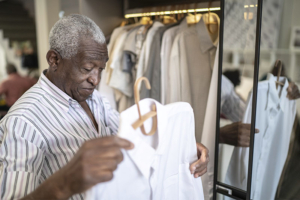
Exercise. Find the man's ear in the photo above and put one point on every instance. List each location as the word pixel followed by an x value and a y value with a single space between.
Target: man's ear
pixel 53 59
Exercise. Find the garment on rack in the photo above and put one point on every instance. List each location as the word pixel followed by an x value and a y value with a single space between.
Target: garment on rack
pixel 130 52
pixel 158 166
pixel 209 131
pixel 153 72
pixel 165 53
pixel 3 73
pixel 114 36
pixel 107 91
pixel 121 80
pixel 192 60
pixel 144 57
pixel 275 115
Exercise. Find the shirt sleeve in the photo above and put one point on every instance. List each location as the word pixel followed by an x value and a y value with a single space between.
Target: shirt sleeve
pixel 232 106
pixel 21 158
pixel 174 74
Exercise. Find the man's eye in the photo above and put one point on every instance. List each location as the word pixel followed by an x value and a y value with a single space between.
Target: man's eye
pixel 88 70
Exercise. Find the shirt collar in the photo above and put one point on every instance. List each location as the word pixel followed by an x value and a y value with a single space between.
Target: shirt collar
pixel 183 24
pixel 143 154
pixel 204 37
pixel 274 101
pixel 64 100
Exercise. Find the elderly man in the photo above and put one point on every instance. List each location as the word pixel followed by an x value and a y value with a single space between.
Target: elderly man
pixel 57 139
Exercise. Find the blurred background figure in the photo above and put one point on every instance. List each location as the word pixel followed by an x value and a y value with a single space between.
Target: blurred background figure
pixel 13 87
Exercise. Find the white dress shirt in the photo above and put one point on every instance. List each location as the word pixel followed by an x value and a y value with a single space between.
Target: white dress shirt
pixel 275 116
pixel 42 132
pixel 158 166
pixel 165 53
pixel 120 80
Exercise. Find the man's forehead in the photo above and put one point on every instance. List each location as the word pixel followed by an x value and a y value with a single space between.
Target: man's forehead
pixel 93 51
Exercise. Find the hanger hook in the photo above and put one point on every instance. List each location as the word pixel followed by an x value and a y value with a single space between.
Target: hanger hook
pixel 148 115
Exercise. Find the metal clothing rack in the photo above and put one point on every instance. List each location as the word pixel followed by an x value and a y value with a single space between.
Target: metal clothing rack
pixel 155 10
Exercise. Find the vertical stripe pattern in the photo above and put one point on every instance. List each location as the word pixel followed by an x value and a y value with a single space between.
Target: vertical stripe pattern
pixel 43 131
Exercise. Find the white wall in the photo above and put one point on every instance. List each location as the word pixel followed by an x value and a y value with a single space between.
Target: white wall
pixel 69 6
pixel 46 13
pixel 290 18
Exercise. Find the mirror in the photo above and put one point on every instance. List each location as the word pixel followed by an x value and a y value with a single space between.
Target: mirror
pixel 275 169
pixel 276 148
pixel 237 82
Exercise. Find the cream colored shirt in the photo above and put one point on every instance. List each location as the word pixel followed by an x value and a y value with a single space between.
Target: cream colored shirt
pixel 192 60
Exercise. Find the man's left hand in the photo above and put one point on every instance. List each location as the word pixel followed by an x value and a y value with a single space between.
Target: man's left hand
pixel 199 167
pixel 293 91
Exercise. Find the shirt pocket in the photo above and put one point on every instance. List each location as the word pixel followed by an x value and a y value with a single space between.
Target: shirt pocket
pixel 171 188
pixel 186 182
pixel 180 186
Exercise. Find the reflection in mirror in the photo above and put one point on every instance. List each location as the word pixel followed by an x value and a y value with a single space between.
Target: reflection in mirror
pixel 237 82
pixel 276 149
pixel 221 197
pixel 275 169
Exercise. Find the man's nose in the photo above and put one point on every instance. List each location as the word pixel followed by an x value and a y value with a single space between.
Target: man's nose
pixel 94 78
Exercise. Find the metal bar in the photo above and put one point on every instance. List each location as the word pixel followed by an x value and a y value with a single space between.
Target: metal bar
pixel 254 98
pixel 236 192
pixel 219 98
pixel 220 191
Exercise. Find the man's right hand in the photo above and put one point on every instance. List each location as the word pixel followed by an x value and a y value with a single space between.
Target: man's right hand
pixel 236 134
pixel 94 163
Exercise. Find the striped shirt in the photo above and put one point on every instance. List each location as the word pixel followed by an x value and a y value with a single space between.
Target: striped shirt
pixel 43 131
pixel 232 106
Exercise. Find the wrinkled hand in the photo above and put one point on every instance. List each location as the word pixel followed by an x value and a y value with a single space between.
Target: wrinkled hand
pixel 236 134
pixel 199 167
pixel 94 163
pixel 293 91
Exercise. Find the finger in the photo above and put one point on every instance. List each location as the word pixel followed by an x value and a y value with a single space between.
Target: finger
pixel 103 176
pixel 110 141
pixel 198 174
pixel 246 126
pixel 103 165
pixel 244 144
pixel 201 167
pixel 113 152
pixel 200 164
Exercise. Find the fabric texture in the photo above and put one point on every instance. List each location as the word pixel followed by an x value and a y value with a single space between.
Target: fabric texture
pixel 43 131
pixel 165 53
pixel 192 60
pixel 209 131
pixel 158 167
pixel 232 106
pixel 153 72
pixel 275 117
pixel 144 55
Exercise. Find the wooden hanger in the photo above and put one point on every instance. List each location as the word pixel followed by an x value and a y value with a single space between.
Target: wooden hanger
pixel 152 114
pixel 193 19
pixel 208 23
pixel 278 64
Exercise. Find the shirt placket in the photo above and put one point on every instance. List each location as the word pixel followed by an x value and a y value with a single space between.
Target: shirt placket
pixel 272 113
pixel 75 105
pixel 153 178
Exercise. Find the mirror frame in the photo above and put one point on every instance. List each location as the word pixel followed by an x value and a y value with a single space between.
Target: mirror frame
pixel 218 187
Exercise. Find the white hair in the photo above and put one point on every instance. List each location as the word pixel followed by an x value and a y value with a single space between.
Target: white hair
pixel 66 33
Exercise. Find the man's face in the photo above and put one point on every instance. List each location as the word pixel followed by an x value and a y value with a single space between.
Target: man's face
pixel 81 74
